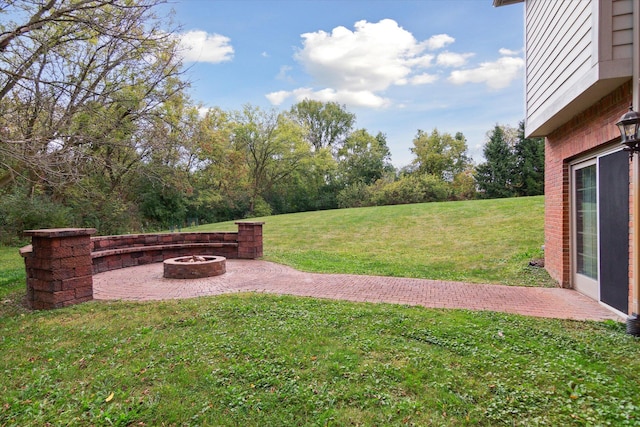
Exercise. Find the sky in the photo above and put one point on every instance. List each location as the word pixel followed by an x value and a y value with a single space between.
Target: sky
pixel 400 66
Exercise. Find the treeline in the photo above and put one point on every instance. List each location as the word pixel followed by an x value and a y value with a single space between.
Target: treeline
pixel 96 130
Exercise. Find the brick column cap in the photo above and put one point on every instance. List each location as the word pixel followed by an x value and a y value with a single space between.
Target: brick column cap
pixel 250 223
pixel 26 251
pixel 60 232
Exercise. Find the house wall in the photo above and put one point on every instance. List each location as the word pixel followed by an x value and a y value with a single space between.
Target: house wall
pixel 588 130
pixel 576 51
pixel 559 48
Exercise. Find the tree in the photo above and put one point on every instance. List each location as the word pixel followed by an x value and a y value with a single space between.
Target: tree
pixel 364 158
pixel 496 177
pixel 529 153
pixel 327 124
pixel 76 77
pixel 313 186
pixel 82 86
pixel 463 186
pixel 440 155
pixel 273 147
pixel 221 178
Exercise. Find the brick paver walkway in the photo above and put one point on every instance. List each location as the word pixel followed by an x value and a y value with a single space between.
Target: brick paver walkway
pixel 146 283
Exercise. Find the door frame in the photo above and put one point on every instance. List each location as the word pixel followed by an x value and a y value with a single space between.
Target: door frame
pixel 580 282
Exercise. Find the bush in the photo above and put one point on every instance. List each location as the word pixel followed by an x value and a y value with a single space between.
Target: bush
pixel 260 208
pixel 21 211
pixel 464 186
pixel 355 196
pixel 413 189
pixel 107 214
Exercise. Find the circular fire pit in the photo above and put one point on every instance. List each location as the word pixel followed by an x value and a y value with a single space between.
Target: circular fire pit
pixel 194 267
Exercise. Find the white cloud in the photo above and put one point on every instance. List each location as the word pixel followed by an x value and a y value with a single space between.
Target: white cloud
pixel 423 79
pixel 496 75
pixel 509 52
pixel 200 46
pixel 451 59
pixel 354 66
pixel 361 98
pixel 373 57
pixel 277 98
pixel 357 66
pixel 424 61
pixel 202 111
pixel 438 41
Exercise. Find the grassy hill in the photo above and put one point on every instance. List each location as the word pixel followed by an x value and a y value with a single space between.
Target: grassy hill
pixel 482 241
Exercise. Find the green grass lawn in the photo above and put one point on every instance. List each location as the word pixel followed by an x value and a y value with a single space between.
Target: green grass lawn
pixel 481 241
pixel 264 360
pixel 260 360
pixel 12 273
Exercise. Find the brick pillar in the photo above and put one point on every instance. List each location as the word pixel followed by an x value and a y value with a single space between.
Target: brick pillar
pixel 59 269
pixel 249 240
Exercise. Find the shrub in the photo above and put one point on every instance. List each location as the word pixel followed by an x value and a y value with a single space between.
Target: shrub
pixel 21 211
pixel 355 196
pixel 260 208
pixel 413 189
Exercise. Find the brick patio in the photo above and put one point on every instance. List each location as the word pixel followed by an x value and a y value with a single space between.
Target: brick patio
pixel 145 283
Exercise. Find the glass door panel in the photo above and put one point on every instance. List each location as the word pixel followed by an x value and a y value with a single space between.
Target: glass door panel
pixel 586 222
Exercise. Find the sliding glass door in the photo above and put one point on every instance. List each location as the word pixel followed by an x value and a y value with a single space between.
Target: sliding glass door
pixel 600 228
pixel 585 196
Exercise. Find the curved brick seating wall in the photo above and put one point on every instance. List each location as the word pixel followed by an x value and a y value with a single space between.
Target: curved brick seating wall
pixel 60 263
pixel 114 252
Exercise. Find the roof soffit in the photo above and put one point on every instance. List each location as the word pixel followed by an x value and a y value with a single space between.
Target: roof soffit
pixel 498 3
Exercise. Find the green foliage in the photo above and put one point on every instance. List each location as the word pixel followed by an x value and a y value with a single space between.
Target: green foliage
pixel 513 167
pixel 463 186
pixel 81 105
pixel 273 149
pixel 163 207
pixel 21 211
pixel 220 182
pixel 260 208
pixel 163 198
pixel 363 158
pixel 412 189
pixel 108 139
pixel 440 155
pixel 529 164
pixel 312 186
pixel 82 72
pixel 327 124
pixel 355 195
pixel 108 214
pixel 496 177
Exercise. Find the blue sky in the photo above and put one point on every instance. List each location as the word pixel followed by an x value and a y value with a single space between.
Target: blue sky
pixel 400 66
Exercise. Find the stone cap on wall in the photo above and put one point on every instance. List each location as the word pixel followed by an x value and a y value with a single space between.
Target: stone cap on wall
pixel 60 232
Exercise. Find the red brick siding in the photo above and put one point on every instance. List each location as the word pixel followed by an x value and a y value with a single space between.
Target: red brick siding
pixel 588 130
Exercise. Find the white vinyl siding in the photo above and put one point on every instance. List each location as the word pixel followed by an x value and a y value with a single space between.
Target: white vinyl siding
pixel 570 46
pixel 557 53
pixel 622 29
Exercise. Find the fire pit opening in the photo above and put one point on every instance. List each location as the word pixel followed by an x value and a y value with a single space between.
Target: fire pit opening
pixel 194 267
